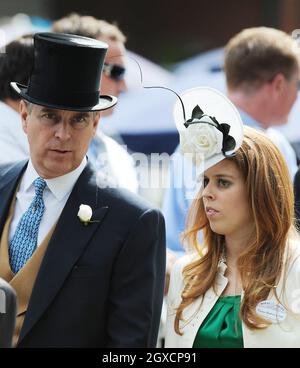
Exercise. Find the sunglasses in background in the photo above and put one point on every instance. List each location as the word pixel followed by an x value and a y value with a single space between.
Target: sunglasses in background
pixel 114 71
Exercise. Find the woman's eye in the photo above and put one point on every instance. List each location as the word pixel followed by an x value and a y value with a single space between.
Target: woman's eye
pixel 224 183
pixel 205 182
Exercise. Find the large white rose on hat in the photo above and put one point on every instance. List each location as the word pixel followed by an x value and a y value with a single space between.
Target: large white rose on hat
pixel 202 140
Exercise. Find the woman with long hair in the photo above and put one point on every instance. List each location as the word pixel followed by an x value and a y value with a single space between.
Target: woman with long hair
pixel 241 286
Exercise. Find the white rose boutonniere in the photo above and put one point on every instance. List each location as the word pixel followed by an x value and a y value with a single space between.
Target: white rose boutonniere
pixel 85 214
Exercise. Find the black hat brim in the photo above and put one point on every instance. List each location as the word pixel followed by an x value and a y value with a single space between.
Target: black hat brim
pixel 105 101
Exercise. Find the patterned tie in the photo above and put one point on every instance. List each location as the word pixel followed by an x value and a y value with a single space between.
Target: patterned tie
pixel 24 241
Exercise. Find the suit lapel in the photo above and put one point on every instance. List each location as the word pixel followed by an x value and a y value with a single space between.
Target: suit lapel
pixel 8 185
pixel 69 239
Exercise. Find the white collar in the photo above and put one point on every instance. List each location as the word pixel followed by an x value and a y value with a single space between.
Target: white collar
pixel 60 186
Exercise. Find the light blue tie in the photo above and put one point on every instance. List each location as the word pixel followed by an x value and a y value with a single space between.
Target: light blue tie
pixel 24 241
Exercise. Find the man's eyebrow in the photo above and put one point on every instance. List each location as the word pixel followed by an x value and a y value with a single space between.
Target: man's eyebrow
pixel 47 109
pixel 83 113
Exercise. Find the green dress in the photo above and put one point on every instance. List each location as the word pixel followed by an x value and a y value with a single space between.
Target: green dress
pixel 222 328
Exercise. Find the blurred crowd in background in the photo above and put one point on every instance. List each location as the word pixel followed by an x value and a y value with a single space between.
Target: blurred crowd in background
pixel 150 127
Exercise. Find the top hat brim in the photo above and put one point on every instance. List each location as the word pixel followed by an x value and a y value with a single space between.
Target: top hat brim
pixel 105 101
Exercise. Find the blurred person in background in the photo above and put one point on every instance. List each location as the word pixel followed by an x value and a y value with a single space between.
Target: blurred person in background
pixel 262 75
pixel 15 64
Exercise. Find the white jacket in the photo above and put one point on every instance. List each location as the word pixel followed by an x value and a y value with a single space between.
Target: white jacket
pixel 277 335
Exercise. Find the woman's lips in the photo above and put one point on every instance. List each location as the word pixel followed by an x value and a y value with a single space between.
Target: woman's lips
pixel 210 212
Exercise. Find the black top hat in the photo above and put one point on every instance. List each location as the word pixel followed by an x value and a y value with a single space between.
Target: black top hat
pixel 66 73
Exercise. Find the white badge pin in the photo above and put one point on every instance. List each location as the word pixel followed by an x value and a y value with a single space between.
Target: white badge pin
pixel 271 311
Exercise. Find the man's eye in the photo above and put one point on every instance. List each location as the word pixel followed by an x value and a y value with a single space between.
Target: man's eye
pixel 80 119
pixel 49 116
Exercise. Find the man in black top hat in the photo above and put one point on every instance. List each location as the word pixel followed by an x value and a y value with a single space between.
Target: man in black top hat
pixel 87 260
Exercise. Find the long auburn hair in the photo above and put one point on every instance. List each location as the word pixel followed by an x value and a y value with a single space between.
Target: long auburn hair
pixel 271 201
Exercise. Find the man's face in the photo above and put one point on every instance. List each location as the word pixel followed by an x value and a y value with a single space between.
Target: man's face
pixel 285 98
pixel 58 139
pixel 109 85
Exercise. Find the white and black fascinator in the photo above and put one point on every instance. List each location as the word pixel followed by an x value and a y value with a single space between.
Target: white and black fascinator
pixel 209 125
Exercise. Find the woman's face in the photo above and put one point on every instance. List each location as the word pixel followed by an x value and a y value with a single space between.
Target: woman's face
pixel 225 200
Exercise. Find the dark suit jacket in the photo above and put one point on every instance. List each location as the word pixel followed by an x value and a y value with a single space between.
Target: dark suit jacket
pixel 99 285
pixel 8 309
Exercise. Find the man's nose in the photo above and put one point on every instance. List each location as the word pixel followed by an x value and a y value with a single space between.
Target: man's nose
pixel 63 131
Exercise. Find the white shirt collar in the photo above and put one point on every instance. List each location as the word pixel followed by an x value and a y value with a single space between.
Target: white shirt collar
pixel 60 186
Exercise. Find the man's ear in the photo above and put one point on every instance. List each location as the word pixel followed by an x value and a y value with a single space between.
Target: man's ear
pixel 277 82
pixel 24 115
